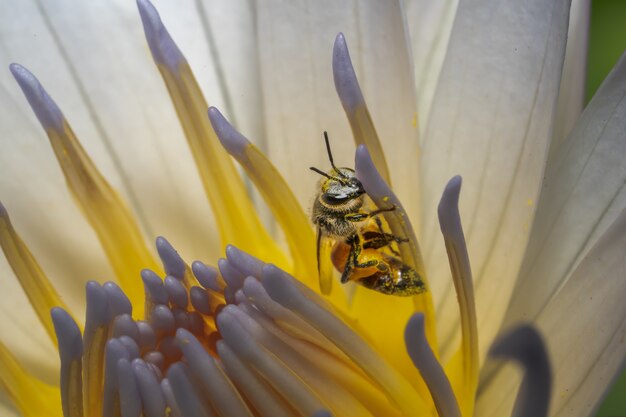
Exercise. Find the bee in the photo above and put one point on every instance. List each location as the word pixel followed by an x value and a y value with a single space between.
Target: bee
pixel 354 239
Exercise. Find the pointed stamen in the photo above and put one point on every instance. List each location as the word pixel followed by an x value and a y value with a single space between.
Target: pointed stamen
pixel 275 192
pixel 36 285
pixel 124 325
pixel 207 276
pixel 264 399
pixel 162 46
pixel 147 337
pixel 235 215
pixel 234 279
pixel 150 392
pixel 95 338
pixel 450 221
pixel 245 263
pixel 525 345
pixel 177 292
pixel 114 351
pixel 130 399
pixel 399 223
pixel 70 352
pixel 224 396
pixel 340 400
pixel 118 232
pixel 154 291
pixel 353 103
pixel 337 367
pixel 118 301
pixel 284 291
pixel 273 371
pixel 170 399
pixel 424 359
pixel 286 319
pixel 187 397
pixel 200 300
pixel 172 262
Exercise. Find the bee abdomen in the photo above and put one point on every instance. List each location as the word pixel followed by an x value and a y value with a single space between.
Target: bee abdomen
pixel 404 282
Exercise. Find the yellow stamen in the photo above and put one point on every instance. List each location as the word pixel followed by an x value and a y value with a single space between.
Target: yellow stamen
pixel 93 358
pixel 354 105
pixel 235 216
pixel 364 133
pixel 105 210
pixel 38 288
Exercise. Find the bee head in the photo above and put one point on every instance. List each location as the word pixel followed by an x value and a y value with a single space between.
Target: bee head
pixel 340 184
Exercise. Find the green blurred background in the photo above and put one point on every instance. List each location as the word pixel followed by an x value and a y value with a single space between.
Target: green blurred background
pixel 607 42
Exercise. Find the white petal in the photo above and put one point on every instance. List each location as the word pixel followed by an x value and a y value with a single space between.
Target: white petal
pixel 93 59
pixel 584 191
pixel 572 91
pixel 491 123
pixel 300 102
pixel 430 26
pixel 584 327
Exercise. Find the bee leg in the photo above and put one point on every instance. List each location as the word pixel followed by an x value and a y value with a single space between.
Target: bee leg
pixel 359 217
pixel 352 259
pixel 382 210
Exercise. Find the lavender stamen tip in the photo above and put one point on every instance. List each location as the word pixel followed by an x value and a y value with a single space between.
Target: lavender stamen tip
pixel 233 141
pixel 164 50
pixel 46 110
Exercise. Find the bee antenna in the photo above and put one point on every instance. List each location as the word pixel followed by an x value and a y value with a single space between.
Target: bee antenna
pixel 330 155
pixel 322 173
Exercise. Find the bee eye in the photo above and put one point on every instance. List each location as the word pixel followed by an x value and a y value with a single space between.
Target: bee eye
pixel 335 198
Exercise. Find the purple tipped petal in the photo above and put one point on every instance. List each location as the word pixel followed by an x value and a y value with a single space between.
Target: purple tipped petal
pixel 166 388
pixel 162 320
pixel 184 391
pixel 448 209
pixel 380 193
pixel 164 50
pixel 114 351
pixel 172 262
pixel 154 287
pixel 48 113
pixel 246 264
pixel 130 345
pixel 233 141
pixel 424 359
pixel 206 275
pixel 97 307
pixel 346 83
pixel 149 389
pixel 130 399
pixel 70 352
pixel 200 300
pixel 124 325
pixel 203 366
pixel 176 291
pixel 147 337
pixel 118 301
pixel 69 339
pixel 525 345
pixel 232 276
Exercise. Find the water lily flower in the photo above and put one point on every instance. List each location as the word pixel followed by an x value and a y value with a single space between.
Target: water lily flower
pixel 488 90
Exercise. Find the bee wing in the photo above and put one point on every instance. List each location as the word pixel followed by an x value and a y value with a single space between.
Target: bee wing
pixel 325 267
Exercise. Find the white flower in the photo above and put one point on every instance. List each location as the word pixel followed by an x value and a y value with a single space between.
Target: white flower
pixel 543 210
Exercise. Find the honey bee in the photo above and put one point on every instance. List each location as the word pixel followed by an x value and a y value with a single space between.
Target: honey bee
pixel 354 238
